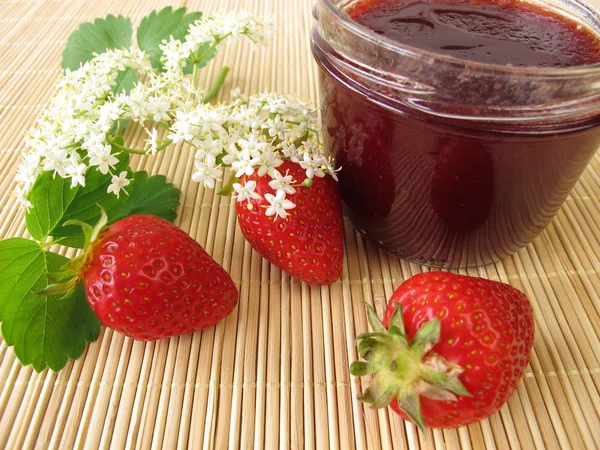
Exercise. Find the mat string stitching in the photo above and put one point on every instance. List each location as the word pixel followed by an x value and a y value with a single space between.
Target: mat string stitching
pixel 257 384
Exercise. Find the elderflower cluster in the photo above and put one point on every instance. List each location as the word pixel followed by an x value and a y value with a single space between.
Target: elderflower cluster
pixel 71 133
pixel 206 34
pixel 254 135
pixel 79 130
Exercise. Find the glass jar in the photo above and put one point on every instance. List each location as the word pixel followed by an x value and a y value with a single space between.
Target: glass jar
pixel 445 162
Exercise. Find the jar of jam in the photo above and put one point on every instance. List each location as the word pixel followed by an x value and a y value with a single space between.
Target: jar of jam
pixel 460 126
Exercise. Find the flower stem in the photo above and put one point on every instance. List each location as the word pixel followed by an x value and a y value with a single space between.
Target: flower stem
pixel 123 148
pixel 216 87
pixel 212 47
pixel 164 145
pixel 195 74
pixel 197 61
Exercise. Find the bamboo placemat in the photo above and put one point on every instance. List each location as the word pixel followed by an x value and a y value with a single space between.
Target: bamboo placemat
pixel 275 373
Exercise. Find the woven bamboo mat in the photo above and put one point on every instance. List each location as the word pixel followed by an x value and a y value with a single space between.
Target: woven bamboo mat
pixel 275 373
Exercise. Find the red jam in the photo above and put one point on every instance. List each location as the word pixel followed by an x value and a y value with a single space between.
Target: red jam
pixel 494 32
pixel 457 193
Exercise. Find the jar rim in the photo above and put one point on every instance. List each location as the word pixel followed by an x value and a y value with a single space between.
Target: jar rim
pixel 389 44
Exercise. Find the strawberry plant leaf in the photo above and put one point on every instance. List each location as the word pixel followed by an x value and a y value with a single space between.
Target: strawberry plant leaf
pixel 156 27
pixel 125 81
pixel 50 197
pixel 46 331
pixel 94 38
pixel 54 202
pixel 84 205
pixel 108 33
pixel 147 195
pixel 150 195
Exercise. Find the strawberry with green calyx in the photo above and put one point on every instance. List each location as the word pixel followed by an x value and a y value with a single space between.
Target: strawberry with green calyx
pixel 450 349
pixel 73 273
pixel 148 279
pixel 301 233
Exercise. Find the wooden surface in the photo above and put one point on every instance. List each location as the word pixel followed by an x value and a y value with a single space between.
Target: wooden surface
pixel 275 373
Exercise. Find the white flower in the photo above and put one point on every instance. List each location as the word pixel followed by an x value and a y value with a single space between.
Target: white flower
pixel 136 103
pixel 77 172
pixel 104 159
pixel 246 191
pixel 313 165
pixel 253 144
pixel 157 108
pixel 111 111
pixel 243 165
pixel 278 204
pixel 211 146
pixel 329 167
pixel 174 54
pixel 183 128
pixel 21 196
pixel 210 120
pixel 206 171
pixel 266 161
pixel 276 127
pixel 94 141
pixel 289 150
pixel 280 182
pixel 56 160
pixel 118 183
pixel 152 143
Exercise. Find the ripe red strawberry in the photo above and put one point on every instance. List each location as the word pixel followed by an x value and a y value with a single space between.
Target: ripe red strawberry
pixel 450 351
pixel 308 242
pixel 148 279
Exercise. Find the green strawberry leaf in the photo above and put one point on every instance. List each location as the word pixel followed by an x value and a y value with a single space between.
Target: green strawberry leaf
pixel 151 195
pixel 54 202
pixel 84 205
pixel 94 38
pixel 109 33
pixel 157 27
pixel 146 195
pixel 46 331
pixel 126 80
pixel 50 196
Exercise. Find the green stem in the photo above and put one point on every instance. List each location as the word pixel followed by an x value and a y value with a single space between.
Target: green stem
pixel 216 87
pixel 199 59
pixel 123 148
pixel 50 243
pixel 292 122
pixel 163 124
pixel 195 74
pixel 211 48
pixel 164 145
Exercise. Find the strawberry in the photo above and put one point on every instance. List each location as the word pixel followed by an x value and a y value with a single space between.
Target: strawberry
pixel 148 279
pixel 450 350
pixel 308 242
